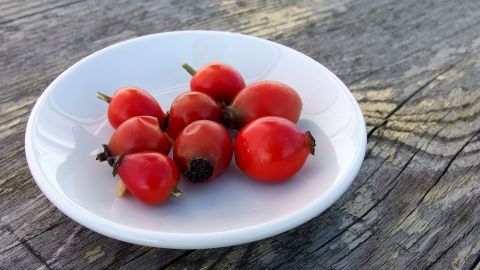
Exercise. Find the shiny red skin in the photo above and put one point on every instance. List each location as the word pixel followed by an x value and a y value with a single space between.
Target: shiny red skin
pixel 266 98
pixel 190 107
pixel 271 149
pixel 218 80
pixel 129 102
pixel 149 176
pixel 137 134
pixel 206 139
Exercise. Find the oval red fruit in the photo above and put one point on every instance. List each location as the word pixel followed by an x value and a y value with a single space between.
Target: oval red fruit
pixel 203 150
pixel 129 102
pixel 272 149
pixel 190 107
pixel 138 134
pixel 218 80
pixel 266 98
pixel 149 176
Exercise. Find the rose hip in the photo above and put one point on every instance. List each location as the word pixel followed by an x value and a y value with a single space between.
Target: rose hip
pixel 203 150
pixel 272 149
pixel 266 98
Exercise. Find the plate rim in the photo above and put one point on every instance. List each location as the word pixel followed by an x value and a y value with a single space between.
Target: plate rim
pixel 193 240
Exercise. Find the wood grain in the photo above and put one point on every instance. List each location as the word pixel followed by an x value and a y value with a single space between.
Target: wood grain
pixel 412 65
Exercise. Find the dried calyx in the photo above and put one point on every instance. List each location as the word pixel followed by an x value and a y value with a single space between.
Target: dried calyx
pixel 105 155
pixel 115 162
pixel 229 118
pixel 165 121
pixel 199 170
pixel 311 142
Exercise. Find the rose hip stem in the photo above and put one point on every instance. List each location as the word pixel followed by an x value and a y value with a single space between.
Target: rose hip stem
pixel 189 69
pixel 103 97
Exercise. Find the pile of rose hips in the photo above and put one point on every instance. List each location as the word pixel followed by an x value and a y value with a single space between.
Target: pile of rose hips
pixel 268 147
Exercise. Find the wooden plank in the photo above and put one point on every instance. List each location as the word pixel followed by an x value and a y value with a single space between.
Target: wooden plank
pixel 89 249
pixel 15 254
pixel 20 9
pixel 7 240
pixel 413 65
pixel 18 257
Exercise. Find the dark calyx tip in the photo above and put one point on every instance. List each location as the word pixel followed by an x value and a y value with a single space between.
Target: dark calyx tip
pixel 165 121
pixel 311 142
pixel 228 117
pixel 105 155
pixel 199 170
pixel 115 162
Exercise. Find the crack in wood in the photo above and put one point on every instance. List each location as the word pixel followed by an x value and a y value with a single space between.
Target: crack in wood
pixel 409 97
pixel 439 239
pixel 413 209
pixel 366 212
pixel 66 244
pixel 26 245
pixel 219 257
pixel 246 254
pixel 422 198
pixel 419 149
pixel 371 174
pixel 109 266
pixel 475 263
pixel 34 253
pixel 187 253
pixel 353 249
pixel 451 246
pixel 446 168
pixel 434 111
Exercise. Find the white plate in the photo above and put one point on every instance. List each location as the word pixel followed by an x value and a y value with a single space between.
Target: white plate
pixel 68 125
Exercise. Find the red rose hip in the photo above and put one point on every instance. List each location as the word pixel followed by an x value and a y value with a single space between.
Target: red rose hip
pixel 218 80
pixel 190 107
pixel 272 149
pixel 266 98
pixel 150 177
pixel 203 150
pixel 129 102
pixel 137 134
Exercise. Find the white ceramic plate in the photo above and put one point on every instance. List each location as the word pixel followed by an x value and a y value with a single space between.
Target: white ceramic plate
pixel 68 125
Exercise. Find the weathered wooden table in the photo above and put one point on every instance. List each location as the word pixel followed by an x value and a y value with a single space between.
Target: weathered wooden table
pixel 414 67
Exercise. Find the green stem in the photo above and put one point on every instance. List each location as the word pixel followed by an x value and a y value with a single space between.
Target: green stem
pixel 104 97
pixel 175 192
pixel 189 69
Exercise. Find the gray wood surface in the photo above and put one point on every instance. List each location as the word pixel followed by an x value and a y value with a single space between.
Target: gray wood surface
pixel 414 67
